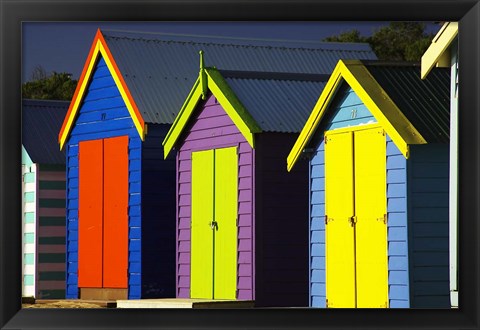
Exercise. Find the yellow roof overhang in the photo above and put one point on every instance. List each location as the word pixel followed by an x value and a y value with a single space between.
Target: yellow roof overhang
pixel 438 54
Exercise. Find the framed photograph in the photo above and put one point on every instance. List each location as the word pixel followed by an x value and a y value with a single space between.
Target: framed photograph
pixel 116 274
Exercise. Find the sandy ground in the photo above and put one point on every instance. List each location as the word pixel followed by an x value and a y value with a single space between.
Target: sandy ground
pixel 62 304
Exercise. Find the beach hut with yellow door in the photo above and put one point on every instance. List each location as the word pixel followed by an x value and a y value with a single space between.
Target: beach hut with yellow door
pixel 242 219
pixel 377 145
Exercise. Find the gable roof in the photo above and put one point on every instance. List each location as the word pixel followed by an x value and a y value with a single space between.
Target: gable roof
pixel 411 111
pixel 255 101
pixel 99 49
pixel 41 120
pixel 437 53
pixel 161 69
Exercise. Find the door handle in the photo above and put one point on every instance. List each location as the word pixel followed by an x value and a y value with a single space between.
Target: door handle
pixel 214 225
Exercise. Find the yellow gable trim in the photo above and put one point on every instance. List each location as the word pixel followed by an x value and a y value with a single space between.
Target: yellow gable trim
pixel 438 52
pixel 381 106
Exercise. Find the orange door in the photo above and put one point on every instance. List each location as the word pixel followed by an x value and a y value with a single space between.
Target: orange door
pixel 103 213
pixel 115 208
pixel 90 214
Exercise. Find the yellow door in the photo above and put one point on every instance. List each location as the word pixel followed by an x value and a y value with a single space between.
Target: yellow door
pixel 340 264
pixel 371 209
pixel 225 250
pixel 356 230
pixel 214 224
pixel 201 252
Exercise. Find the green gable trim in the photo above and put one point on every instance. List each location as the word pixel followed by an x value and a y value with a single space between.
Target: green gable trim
pixel 28 279
pixel 26 160
pixel 52 221
pixel 51 240
pixel 52 185
pixel 227 99
pixel 29 217
pixel 29 258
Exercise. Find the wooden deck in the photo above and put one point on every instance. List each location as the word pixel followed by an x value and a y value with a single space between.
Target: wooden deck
pixel 184 303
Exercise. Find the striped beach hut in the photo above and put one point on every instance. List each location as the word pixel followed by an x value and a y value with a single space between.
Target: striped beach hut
pixel 128 96
pixel 43 196
pixel 377 144
pixel 242 219
pixel 443 52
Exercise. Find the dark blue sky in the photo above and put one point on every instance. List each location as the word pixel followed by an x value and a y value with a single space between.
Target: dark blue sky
pixel 63 47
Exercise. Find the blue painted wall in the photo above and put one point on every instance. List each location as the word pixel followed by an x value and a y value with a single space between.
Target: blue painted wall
pixel 428 170
pixel 348 110
pixel 103 114
pixel 158 216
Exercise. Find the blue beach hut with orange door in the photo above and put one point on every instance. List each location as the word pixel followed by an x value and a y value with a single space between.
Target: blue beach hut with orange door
pixel 377 146
pixel 120 191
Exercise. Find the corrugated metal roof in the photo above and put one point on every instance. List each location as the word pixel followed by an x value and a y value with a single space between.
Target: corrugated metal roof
pixel 160 70
pixel 425 103
pixel 281 103
pixel 41 122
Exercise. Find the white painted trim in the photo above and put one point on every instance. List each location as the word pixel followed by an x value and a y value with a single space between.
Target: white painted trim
pixel 29 187
pixel 29 248
pixel 29 291
pixel 29 228
pixel 29 269
pixel 30 207
pixel 453 184
pixel 454 299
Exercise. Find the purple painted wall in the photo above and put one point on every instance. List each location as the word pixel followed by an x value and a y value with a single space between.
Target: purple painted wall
pixel 212 128
pixel 281 224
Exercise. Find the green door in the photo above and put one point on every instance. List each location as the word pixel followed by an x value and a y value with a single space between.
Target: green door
pixel 214 224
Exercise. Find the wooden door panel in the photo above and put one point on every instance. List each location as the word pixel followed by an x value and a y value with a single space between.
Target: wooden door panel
pixel 90 214
pixel 201 277
pixel 371 228
pixel 340 264
pixel 115 238
pixel 226 200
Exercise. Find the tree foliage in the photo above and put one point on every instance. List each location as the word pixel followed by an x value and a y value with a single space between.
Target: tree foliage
pixel 57 86
pixel 399 41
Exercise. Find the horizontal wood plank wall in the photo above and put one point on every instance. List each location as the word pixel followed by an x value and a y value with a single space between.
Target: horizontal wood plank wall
pixel 51 232
pixel 103 114
pixel 158 216
pixel 428 209
pixel 212 128
pixel 281 232
pixel 397 227
pixel 29 228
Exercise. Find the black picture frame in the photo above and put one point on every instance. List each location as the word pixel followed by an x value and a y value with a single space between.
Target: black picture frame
pixel 14 12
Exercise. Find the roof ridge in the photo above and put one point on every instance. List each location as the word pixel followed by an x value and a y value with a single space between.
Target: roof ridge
pixel 334 46
pixel 265 75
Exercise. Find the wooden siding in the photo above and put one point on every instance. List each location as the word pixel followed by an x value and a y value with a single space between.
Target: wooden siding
pixel 281 224
pixel 103 114
pixel 29 226
pixel 51 245
pixel 158 216
pixel 212 128
pixel 397 215
pixel 348 110
pixel 428 220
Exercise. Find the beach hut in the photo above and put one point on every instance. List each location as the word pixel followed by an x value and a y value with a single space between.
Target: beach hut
pixel 443 52
pixel 242 219
pixel 43 200
pixel 377 145
pixel 130 91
